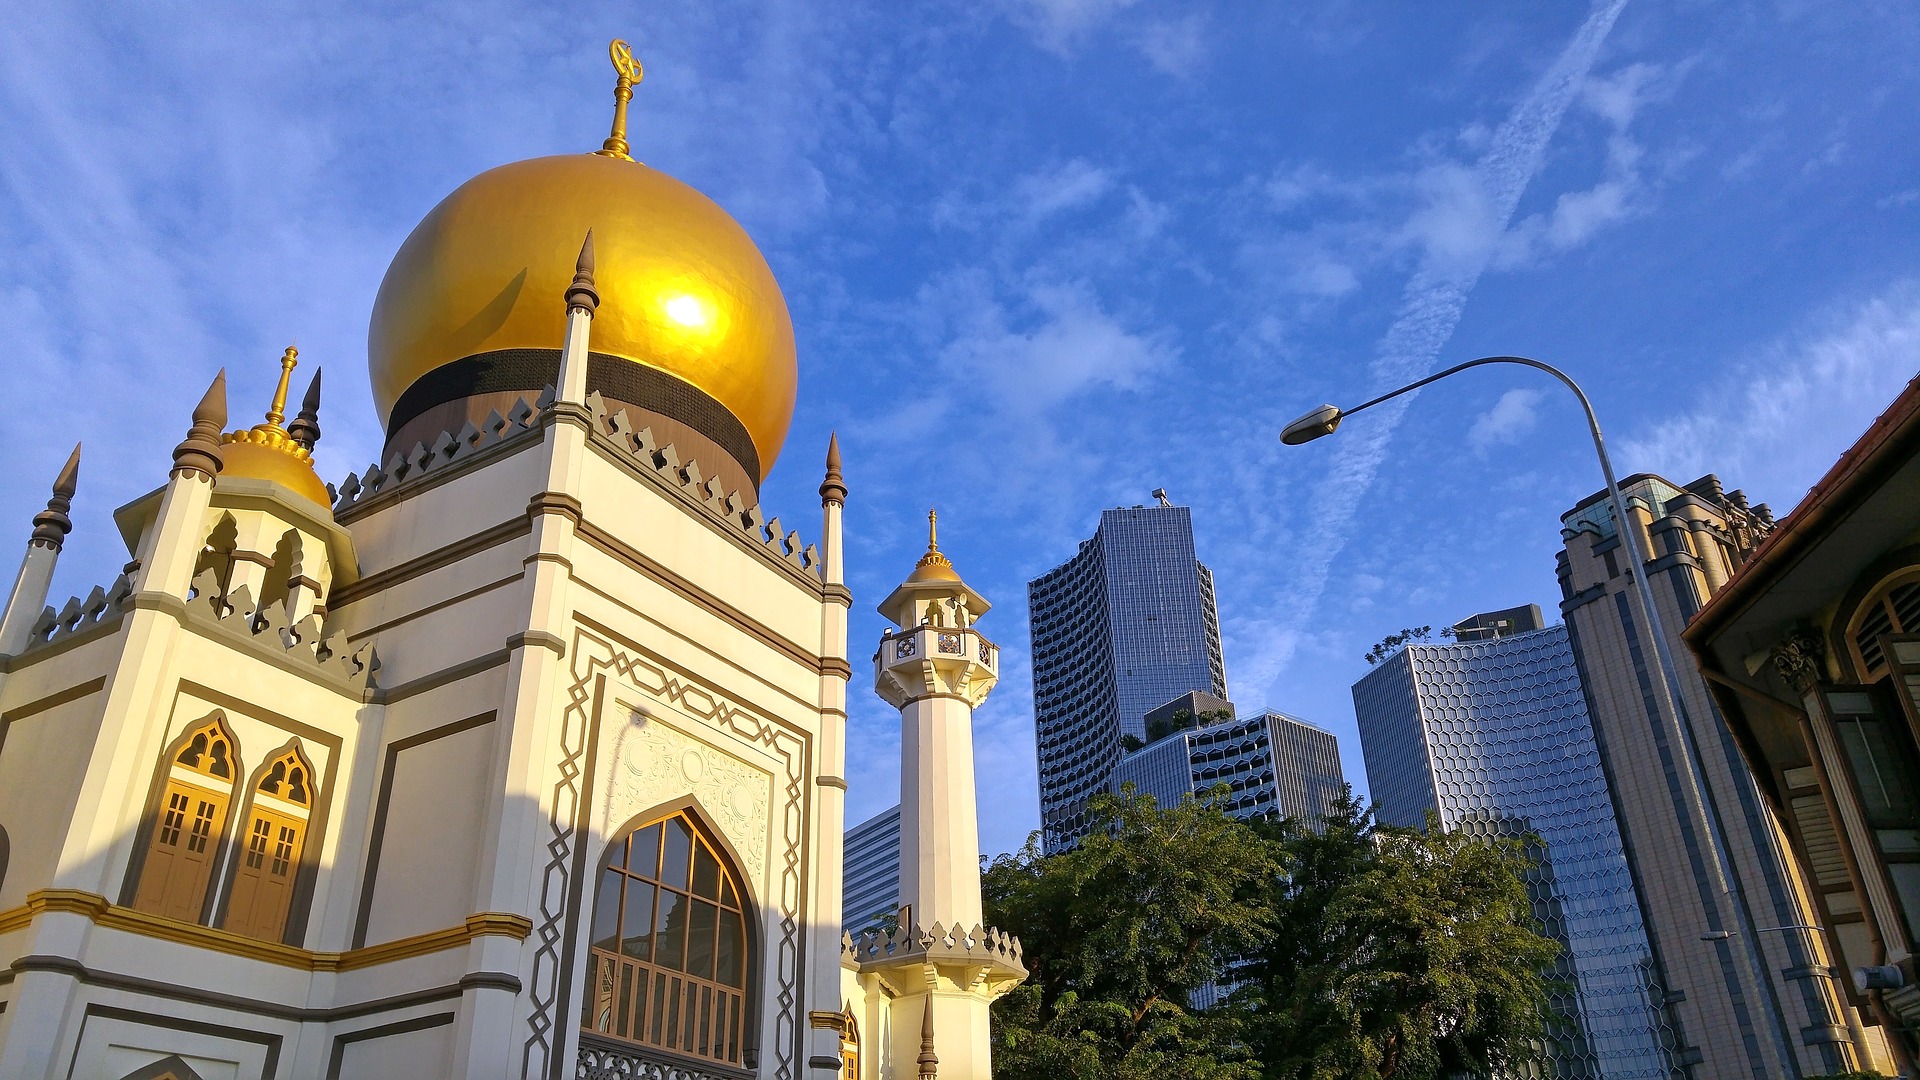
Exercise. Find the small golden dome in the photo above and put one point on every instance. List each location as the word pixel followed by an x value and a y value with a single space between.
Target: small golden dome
pixel 683 290
pixel 267 452
pixel 933 566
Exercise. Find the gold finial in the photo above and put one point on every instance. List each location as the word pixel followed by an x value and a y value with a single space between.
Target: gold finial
pixel 629 71
pixel 278 411
pixel 933 530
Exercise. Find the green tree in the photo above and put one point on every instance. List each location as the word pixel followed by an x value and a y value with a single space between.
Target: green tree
pixel 1396 954
pixel 1118 933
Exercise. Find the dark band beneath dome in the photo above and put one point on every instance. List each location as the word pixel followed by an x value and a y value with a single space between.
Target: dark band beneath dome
pixel 527 371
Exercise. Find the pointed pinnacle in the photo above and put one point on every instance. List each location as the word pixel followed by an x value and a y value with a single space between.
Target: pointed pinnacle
pixel 305 428
pixel 581 294
pixel 68 481
pixel 51 526
pixel 833 489
pixel 199 452
pixel 213 404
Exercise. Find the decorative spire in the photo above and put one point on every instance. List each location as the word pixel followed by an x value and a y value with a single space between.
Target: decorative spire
pixel 581 295
pixel 629 72
pixel 833 490
pixel 51 526
pixel 200 450
pixel 278 410
pixel 929 1061
pixel 305 428
pixel 270 434
pixel 933 566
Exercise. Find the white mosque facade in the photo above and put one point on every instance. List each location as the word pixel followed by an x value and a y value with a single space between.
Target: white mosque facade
pixel 520 755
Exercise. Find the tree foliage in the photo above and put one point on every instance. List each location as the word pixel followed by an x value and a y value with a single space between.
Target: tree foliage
pixel 1397 953
pixel 1357 952
pixel 1118 933
pixel 1385 646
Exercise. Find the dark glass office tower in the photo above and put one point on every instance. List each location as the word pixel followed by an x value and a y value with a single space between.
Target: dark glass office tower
pixel 1493 735
pixel 1125 625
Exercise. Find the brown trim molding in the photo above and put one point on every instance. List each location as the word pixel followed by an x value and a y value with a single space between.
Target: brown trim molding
pixel 638 560
pixel 381 806
pixel 837 667
pixel 51 701
pixel 438 679
pixel 96 909
pixel 268 1041
pixel 830 781
pixel 380 581
pixel 368 631
pixel 401 1027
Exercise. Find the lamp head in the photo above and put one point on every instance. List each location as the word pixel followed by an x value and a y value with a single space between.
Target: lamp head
pixel 1324 420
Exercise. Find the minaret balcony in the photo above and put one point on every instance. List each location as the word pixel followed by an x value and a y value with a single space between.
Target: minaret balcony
pixel 930 661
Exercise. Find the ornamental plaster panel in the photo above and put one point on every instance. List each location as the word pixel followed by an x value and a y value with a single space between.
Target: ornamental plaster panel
pixel 659 754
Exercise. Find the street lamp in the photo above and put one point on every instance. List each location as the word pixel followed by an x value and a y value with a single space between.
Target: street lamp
pixel 1704 815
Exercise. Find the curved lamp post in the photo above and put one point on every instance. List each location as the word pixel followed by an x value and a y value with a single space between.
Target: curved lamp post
pixel 1705 816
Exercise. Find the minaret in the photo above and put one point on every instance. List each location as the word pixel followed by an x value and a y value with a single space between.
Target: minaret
pixel 936 669
pixel 50 529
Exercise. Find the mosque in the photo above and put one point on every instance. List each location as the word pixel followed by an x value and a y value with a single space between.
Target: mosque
pixel 520 754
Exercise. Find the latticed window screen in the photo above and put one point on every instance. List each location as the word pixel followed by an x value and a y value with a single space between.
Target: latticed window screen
pixel 1896 611
pixel 198 787
pixel 668 966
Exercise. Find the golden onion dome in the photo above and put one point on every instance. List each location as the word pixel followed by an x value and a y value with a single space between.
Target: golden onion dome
pixel 683 292
pixel 268 452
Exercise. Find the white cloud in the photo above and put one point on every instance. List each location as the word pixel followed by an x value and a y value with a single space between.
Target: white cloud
pixel 1799 404
pixel 1055 343
pixel 1058 24
pixel 1175 46
pixel 1511 418
pixel 1078 183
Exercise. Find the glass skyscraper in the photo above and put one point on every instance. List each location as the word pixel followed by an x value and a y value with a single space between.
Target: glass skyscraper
pixel 1125 625
pixel 1493 735
pixel 870 891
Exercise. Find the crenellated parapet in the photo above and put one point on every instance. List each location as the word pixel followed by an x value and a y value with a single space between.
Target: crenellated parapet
pixel 270 626
pixel 452 447
pixel 913 959
pixel 706 494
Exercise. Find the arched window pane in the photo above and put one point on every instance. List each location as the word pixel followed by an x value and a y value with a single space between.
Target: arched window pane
pixel 636 939
pixel 606 911
pixel 700 930
pixel 670 931
pixel 706 873
pixel 673 864
pixel 730 954
pixel 669 959
pixel 643 857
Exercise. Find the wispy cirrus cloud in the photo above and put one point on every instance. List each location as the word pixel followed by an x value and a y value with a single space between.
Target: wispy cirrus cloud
pixel 1799 403
pixel 1465 213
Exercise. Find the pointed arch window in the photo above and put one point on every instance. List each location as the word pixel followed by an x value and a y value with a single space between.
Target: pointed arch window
pixel 191 822
pixel 849 1046
pixel 279 807
pixel 668 963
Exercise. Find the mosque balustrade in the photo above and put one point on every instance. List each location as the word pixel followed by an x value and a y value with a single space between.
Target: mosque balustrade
pixel 930 659
pixel 992 955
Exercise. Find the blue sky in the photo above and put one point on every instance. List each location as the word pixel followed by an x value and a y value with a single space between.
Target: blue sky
pixel 1043 256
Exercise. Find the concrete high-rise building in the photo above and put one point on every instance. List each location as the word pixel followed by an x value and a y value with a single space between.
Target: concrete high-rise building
pixel 1274 764
pixel 1696 535
pixel 1492 735
pixel 1124 625
pixel 871 871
